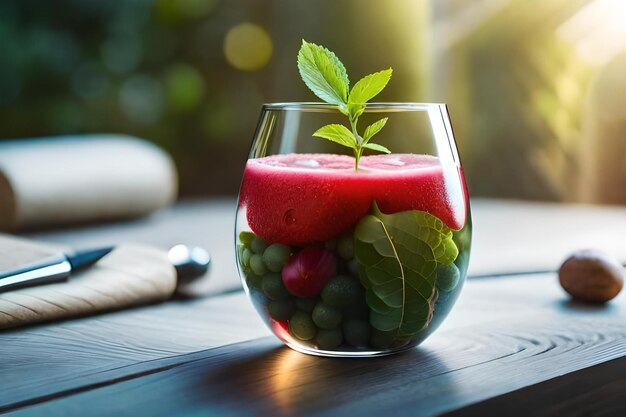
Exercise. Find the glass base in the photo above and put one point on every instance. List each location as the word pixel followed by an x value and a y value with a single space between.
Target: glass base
pixel 347 353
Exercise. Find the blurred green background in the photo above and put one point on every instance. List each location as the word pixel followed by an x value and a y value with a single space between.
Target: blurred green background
pixel 191 75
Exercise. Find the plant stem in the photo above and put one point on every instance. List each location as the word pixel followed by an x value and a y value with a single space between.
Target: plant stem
pixel 357 139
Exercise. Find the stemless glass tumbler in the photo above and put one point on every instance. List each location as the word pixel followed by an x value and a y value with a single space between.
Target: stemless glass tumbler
pixel 360 262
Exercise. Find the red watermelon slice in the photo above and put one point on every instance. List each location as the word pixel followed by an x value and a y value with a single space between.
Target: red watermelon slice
pixel 297 199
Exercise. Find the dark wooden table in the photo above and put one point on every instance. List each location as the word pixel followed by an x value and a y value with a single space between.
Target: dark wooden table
pixel 513 345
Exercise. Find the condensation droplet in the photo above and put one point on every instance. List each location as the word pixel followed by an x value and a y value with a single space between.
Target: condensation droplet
pixel 289 217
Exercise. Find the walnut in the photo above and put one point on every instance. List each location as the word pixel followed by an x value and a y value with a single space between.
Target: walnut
pixel 590 275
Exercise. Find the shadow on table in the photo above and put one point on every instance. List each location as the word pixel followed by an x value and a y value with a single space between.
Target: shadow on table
pixel 571 305
pixel 280 381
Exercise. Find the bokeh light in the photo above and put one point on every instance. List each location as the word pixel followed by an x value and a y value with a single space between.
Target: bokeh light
pixel 247 47
pixel 121 53
pixel 177 11
pixel 597 30
pixel 141 99
pixel 90 81
pixel 184 87
pixel 10 85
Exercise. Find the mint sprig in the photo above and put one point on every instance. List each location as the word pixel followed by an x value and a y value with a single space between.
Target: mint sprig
pixel 327 78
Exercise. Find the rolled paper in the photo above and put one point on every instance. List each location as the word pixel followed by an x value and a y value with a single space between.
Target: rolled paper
pixel 77 179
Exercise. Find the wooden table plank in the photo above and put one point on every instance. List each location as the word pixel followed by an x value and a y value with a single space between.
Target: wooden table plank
pixel 599 390
pixel 455 368
pixel 42 360
pixel 516 236
pixel 504 334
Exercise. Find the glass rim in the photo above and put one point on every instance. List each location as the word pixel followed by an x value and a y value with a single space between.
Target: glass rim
pixel 316 105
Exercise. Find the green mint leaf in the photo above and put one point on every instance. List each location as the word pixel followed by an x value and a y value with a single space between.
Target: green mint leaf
pixel 374 128
pixel 369 86
pixel 336 133
pixel 323 73
pixel 376 147
pixel 398 257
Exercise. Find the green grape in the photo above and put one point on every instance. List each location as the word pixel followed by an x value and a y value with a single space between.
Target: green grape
pixel 448 277
pixel 257 265
pixel 345 247
pixel 281 309
pixel 353 268
pixel 274 288
pixel 276 256
pixel 325 316
pixel 329 338
pixel 359 310
pixel 254 281
pixel 342 290
pixel 301 326
pixel 258 245
pixel 330 245
pixel 380 339
pixel 306 304
pixel 356 332
pixel 245 258
pixel 246 238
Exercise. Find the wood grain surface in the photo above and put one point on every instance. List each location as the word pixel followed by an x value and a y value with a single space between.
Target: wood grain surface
pixel 504 334
pixel 45 360
pixel 596 391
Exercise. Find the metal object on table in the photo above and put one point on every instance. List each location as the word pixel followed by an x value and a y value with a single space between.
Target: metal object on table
pixel 190 262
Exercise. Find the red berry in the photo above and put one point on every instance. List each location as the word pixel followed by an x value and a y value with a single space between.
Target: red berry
pixel 307 271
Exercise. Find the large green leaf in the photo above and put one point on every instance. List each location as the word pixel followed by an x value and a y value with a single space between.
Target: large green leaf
pixel 323 73
pixel 398 256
